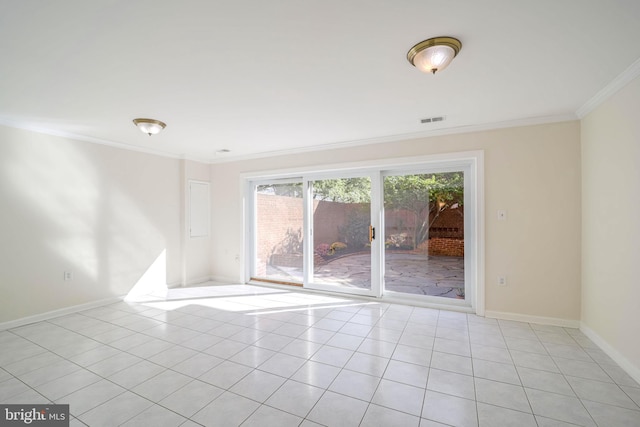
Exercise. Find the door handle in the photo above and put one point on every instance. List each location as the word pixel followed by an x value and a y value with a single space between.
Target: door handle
pixel 372 233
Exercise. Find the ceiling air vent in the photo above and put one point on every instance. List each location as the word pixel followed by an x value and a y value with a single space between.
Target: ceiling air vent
pixel 432 119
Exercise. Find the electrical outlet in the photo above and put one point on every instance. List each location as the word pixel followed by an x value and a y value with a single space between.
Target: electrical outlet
pixel 68 275
pixel 502 280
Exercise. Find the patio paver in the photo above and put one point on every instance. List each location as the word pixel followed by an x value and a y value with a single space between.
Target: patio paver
pixel 405 272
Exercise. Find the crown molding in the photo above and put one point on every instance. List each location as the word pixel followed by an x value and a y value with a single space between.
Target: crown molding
pixel 532 121
pixel 609 90
pixel 83 138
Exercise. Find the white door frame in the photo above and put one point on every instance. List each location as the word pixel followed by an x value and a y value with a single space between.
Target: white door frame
pixel 374 220
pixel 472 162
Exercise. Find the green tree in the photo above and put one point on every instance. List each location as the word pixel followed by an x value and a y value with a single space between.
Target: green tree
pixel 289 190
pixel 343 190
pixel 425 195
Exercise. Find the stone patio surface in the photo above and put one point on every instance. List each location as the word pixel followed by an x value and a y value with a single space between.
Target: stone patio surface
pixel 404 272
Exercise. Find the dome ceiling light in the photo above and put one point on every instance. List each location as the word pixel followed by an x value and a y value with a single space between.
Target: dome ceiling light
pixel 149 126
pixel 434 54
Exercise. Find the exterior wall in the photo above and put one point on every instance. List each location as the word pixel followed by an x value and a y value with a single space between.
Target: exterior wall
pixel 450 224
pixel 610 228
pixel 533 172
pixel 328 218
pixel 446 247
pixel 279 219
pixel 280 223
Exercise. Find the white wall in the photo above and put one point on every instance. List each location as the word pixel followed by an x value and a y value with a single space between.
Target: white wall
pixel 533 172
pixel 107 215
pixel 611 225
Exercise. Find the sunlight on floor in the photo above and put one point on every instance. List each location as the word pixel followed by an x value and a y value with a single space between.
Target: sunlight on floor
pixel 248 299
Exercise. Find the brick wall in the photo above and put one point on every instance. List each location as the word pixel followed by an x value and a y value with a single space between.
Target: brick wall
pixel 445 247
pixel 450 224
pixel 280 223
pixel 328 218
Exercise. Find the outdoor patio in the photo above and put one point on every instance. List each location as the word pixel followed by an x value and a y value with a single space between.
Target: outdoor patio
pixel 404 272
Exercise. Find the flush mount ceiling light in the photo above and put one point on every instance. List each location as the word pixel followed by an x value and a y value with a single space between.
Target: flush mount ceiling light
pixel 434 54
pixel 149 126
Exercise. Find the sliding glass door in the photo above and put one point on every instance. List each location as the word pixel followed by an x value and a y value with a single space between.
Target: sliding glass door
pixel 408 231
pixel 341 229
pixel 424 234
pixel 278 231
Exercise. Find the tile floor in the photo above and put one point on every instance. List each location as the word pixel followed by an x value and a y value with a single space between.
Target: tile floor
pixel 253 356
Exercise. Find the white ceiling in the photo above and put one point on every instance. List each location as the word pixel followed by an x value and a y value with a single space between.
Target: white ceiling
pixel 258 77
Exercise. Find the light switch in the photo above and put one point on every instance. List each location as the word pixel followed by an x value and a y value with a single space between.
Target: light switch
pixel 502 215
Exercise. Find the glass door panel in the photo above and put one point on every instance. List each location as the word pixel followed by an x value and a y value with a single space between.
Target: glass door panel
pixel 279 216
pixel 424 234
pixel 340 223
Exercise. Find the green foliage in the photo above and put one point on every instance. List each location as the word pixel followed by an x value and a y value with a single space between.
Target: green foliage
pixel 289 190
pixel 344 190
pixel 417 192
pixel 425 195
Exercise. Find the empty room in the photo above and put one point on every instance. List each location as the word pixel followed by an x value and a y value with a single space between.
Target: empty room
pixel 304 213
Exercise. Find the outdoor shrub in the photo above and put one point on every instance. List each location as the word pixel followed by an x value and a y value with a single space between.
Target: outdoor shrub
pixel 338 246
pixel 396 240
pixel 355 231
pixel 324 249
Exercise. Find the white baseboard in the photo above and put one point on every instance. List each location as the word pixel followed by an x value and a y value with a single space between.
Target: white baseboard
pixel 623 362
pixel 228 280
pixel 57 313
pixel 198 281
pixel 174 285
pixel 540 320
pixel 190 282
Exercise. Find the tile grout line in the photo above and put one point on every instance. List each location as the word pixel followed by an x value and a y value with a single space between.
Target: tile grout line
pixel 135 319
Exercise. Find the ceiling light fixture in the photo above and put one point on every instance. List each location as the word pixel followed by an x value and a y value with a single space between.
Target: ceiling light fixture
pixel 149 126
pixel 434 54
